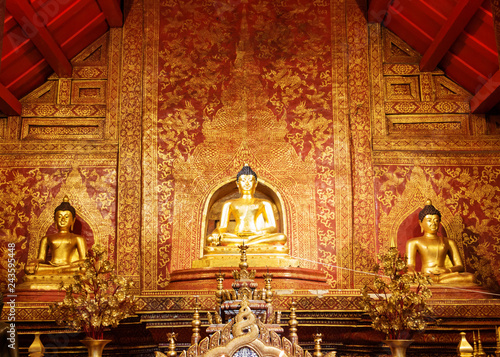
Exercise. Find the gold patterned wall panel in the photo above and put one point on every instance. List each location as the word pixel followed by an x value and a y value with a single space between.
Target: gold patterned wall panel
pixel 88 92
pixel 402 88
pixel 418 103
pixel 32 186
pixel 62 144
pixel 152 257
pixel 241 84
pixel 467 195
pixel 54 129
pixel 451 124
pixel 426 144
pixel 72 108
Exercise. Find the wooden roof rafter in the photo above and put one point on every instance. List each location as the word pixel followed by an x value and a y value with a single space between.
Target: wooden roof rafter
pixel 377 10
pixel 455 24
pixel 23 13
pixel 8 102
pixel 112 11
pixel 487 96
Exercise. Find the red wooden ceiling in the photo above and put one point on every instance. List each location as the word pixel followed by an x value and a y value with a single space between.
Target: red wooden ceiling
pixel 458 36
pixel 41 36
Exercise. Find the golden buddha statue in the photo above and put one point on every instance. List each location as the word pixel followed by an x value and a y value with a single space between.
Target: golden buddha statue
pixel 67 250
pixel 255 223
pixel 254 226
pixel 434 250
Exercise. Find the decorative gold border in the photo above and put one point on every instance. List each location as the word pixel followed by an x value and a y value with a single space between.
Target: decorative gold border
pixel 113 85
pixel 78 85
pixel 149 233
pixel 342 152
pixel 83 129
pixel 129 161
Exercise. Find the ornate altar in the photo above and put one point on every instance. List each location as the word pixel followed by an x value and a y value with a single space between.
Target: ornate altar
pixel 245 323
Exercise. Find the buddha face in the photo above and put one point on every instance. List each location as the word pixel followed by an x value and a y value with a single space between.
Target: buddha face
pixel 64 220
pixel 246 184
pixel 430 223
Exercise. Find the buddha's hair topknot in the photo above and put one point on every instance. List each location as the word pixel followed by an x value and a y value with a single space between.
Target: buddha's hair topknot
pixel 428 209
pixel 246 170
pixel 65 206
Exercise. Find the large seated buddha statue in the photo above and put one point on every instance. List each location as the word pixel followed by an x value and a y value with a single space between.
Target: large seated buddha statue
pixel 434 251
pixel 255 223
pixel 254 226
pixel 60 255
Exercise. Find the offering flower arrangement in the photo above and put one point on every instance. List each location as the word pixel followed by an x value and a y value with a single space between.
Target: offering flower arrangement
pixel 97 299
pixel 396 302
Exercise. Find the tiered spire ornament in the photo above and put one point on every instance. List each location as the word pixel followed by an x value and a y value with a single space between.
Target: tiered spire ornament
pixel 268 277
pixel 292 322
pixel 480 350
pixel 474 353
pixel 196 323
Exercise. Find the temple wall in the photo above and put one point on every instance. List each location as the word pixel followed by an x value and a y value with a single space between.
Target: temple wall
pixel 331 112
pixel 64 143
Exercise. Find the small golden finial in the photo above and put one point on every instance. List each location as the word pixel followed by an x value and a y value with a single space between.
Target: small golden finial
pixel 464 348
pixel 428 202
pixel 172 337
pixel 66 198
pixel 318 338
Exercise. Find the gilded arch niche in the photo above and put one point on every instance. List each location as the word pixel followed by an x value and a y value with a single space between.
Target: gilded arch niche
pixel 397 226
pixel 86 209
pixel 228 190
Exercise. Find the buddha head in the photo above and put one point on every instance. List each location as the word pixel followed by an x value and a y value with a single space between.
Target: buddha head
pixel 429 218
pixel 246 180
pixel 65 215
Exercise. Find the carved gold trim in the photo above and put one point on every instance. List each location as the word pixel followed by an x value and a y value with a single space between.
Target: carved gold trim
pixel 53 129
pixel 151 278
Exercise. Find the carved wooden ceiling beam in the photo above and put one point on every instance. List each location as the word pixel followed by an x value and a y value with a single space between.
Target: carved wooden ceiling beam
pixel 487 96
pixel 455 24
pixel 377 10
pixel 23 13
pixel 112 11
pixel 9 104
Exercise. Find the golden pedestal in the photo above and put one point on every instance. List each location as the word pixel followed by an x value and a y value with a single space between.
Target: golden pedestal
pixel 257 256
pixel 45 282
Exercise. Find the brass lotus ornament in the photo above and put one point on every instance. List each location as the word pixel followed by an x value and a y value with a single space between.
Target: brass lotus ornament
pixel 98 298
pixel 396 302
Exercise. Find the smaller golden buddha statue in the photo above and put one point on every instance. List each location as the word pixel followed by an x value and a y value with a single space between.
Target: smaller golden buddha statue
pixel 66 250
pixel 255 223
pixel 434 250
